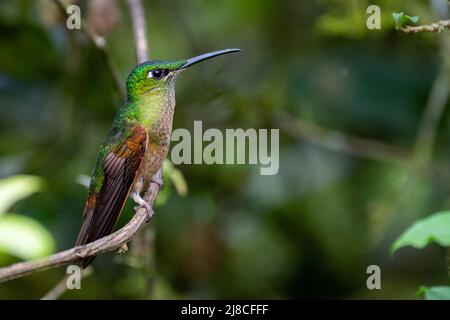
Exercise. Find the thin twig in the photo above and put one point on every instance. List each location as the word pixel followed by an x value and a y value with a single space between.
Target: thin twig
pixel 142 240
pixel 139 30
pixel 99 43
pixel 435 106
pixel 342 142
pixel 434 110
pixel 438 26
pixel 61 287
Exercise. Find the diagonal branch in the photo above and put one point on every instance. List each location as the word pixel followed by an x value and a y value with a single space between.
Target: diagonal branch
pixel 342 142
pixel 438 26
pixel 106 244
pixel 434 109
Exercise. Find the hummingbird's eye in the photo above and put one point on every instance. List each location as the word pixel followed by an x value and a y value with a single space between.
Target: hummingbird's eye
pixel 157 74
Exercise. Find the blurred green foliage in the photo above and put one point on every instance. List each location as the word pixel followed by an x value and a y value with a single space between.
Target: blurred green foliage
pixel 15 188
pixel 24 238
pixel 309 231
pixel 20 236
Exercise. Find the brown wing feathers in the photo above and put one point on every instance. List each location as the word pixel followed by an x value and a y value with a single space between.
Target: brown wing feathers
pixel 120 168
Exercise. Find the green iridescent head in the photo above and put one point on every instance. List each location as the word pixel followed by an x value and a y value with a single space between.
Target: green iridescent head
pixel 153 76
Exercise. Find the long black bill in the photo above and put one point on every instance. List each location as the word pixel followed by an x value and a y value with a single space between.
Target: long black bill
pixel 202 57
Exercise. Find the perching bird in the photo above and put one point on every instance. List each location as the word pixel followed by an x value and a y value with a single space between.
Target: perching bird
pixel 135 146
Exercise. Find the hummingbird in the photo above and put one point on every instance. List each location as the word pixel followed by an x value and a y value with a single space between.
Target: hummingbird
pixel 135 147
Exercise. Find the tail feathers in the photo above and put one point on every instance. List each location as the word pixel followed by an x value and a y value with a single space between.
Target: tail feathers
pixel 83 236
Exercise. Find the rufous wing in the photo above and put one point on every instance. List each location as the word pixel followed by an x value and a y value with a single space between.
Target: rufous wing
pixel 120 167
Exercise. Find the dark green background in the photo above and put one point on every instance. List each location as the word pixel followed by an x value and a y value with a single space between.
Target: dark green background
pixel 308 232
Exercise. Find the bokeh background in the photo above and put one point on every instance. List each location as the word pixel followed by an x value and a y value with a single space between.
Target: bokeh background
pixel 359 161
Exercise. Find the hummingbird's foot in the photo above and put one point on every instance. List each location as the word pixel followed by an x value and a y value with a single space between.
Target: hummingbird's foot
pixel 122 249
pixel 159 181
pixel 142 203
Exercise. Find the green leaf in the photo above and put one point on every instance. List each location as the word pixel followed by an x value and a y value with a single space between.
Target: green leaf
pixel 414 19
pixel 177 178
pixel 401 19
pixel 174 176
pixel 24 237
pixel 15 188
pixel 435 228
pixel 435 293
pixel 397 16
